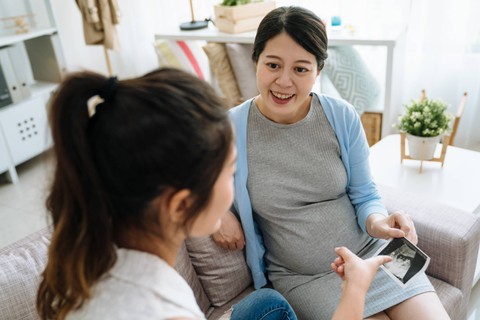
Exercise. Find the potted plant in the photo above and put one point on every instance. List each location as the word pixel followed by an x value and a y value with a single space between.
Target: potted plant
pixel 424 123
pixel 234 16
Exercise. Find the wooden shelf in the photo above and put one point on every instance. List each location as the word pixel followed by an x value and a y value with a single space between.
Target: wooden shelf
pixel 12 39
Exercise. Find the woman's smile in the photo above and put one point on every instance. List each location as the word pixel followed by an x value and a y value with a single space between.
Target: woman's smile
pixel 281 98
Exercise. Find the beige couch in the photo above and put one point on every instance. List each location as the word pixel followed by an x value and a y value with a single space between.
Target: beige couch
pixel 219 278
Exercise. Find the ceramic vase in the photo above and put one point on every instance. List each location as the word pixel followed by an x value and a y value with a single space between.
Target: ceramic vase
pixel 422 148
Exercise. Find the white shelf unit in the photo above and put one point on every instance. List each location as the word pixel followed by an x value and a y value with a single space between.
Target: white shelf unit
pixel 392 39
pixel 32 65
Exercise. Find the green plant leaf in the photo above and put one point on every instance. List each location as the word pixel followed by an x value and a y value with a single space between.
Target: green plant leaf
pixel 428 118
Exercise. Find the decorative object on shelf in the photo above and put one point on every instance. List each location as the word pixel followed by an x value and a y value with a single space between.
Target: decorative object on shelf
pixel 193 24
pixel 336 22
pixel 19 23
pixel 423 125
pixel 235 16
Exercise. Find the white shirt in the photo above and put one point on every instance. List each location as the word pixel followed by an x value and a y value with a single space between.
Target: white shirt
pixel 139 286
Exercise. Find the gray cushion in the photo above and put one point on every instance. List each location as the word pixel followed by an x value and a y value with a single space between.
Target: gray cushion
pixel 240 57
pixel 450 296
pixel 223 273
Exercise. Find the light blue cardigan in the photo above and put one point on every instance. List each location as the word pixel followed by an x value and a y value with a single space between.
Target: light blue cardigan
pixel 354 153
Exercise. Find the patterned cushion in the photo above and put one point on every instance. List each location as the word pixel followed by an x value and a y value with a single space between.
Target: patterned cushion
pixel 327 87
pixel 352 78
pixel 222 70
pixel 223 273
pixel 240 56
pixel 21 266
pixel 185 55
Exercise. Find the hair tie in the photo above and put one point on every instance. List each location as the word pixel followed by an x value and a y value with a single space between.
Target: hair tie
pixel 106 95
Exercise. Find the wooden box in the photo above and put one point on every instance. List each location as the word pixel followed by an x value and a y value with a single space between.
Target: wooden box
pixel 241 18
pixel 372 124
pixel 244 25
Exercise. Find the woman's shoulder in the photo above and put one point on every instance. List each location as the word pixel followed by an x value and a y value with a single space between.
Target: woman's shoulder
pixel 240 112
pixel 336 105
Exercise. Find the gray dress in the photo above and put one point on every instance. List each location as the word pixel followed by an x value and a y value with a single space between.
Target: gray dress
pixel 297 185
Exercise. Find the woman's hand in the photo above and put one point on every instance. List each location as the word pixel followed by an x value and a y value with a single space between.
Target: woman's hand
pixel 396 225
pixel 357 275
pixel 230 235
pixel 355 271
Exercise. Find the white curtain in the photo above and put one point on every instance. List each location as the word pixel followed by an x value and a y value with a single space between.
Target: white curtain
pixel 443 57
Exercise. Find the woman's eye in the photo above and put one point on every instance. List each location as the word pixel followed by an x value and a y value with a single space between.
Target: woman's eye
pixel 273 65
pixel 301 70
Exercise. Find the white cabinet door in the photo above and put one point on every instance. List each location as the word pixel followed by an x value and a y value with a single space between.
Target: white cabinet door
pixel 26 130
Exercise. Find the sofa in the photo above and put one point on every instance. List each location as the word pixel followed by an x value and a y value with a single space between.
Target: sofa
pixel 220 277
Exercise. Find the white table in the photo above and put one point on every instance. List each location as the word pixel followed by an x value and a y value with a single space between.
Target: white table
pixel 392 39
pixel 456 184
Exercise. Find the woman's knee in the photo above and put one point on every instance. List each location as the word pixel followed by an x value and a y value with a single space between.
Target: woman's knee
pixel 264 304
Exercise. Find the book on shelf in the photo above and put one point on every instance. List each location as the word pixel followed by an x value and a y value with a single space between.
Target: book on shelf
pixel 5 96
pixel 10 76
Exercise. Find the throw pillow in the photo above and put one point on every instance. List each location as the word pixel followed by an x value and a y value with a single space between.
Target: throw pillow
pixel 185 55
pixel 352 78
pixel 222 70
pixel 223 273
pixel 185 269
pixel 327 87
pixel 240 56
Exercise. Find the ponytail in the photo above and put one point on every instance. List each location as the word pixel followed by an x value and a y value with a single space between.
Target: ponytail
pixel 78 204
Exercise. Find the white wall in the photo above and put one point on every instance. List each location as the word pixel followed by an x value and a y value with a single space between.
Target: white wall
pixel 140 20
pixel 136 34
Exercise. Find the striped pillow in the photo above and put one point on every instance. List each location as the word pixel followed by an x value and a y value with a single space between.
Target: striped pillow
pixel 185 55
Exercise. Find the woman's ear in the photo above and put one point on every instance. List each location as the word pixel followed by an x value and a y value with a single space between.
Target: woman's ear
pixel 178 204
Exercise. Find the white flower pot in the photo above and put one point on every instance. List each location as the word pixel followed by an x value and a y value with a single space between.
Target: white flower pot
pixel 422 148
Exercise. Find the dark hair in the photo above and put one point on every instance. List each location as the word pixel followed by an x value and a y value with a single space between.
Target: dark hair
pixel 302 25
pixel 166 130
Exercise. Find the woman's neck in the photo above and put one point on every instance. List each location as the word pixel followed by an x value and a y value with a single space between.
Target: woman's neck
pixel 145 241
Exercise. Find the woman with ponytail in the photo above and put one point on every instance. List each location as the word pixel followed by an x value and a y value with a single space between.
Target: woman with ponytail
pixel 141 164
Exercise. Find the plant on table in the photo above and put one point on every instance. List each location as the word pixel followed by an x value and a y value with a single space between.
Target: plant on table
pixel 426 118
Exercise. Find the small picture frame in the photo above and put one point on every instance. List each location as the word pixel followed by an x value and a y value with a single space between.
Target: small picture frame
pixel 408 260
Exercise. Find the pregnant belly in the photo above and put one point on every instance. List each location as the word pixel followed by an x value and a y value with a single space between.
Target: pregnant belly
pixel 302 240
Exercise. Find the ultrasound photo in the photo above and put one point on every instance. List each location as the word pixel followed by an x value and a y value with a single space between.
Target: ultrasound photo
pixel 408 260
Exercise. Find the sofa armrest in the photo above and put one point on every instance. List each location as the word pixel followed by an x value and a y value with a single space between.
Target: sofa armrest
pixel 449 236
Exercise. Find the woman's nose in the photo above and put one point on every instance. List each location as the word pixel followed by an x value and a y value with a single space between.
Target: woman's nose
pixel 284 79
